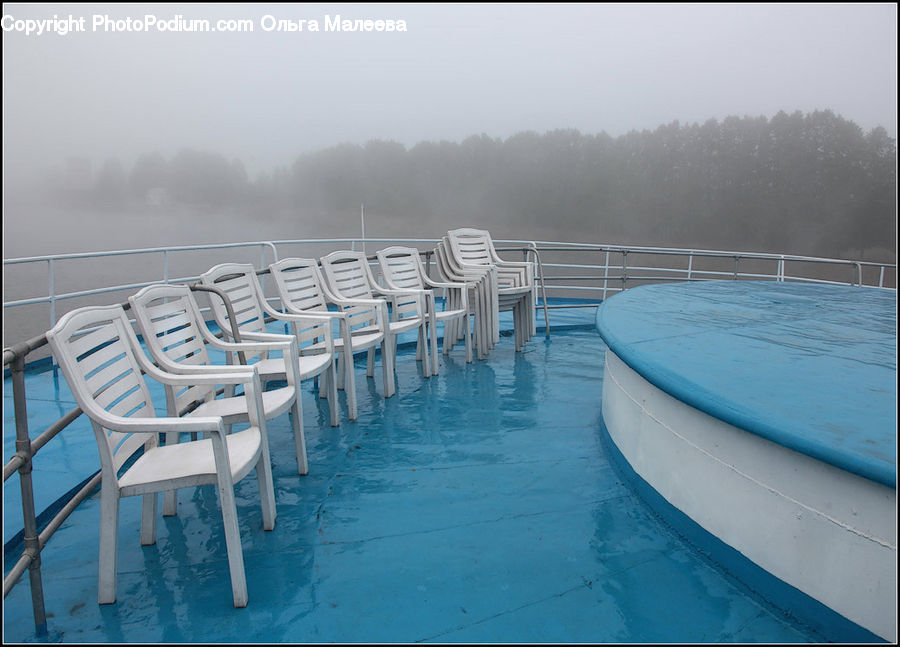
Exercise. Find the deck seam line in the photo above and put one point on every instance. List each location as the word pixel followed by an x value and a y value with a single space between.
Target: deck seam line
pixel 526 515
pixel 585 584
pixel 878 540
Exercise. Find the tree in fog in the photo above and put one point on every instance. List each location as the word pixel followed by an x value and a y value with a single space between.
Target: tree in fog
pixel 111 185
pixel 796 183
pixel 150 171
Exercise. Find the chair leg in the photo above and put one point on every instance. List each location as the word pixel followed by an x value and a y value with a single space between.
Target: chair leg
pixel 233 541
pixel 468 339
pixel 331 385
pixel 387 365
pixel 299 439
pixel 434 344
pixel 450 335
pixel 266 490
pixel 109 541
pixel 519 322
pixel 422 342
pixel 341 366
pixel 148 518
pixel 370 362
pixel 349 383
pixel 170 503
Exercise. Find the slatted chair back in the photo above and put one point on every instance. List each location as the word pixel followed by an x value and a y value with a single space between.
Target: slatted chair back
pixel 300 285
pixel 95 349
pixel 402 267
pixel 472 246
pixel 170 319
pixel 239 283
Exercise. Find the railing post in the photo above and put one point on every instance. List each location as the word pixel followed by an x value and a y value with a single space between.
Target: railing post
pixel 690 265
pixel 539 269
pixel 780 270
pixel 737 259
pixel 165 266
pixel 428 254
pixel 881 277
pixel 624 268
pixel 23 448
pixel 52 292
pixel 605 273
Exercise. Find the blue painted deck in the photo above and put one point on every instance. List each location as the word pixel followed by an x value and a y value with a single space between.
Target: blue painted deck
pixel 477 506
pixel 811 367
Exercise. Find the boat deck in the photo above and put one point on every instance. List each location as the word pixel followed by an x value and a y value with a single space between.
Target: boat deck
pixel 480 505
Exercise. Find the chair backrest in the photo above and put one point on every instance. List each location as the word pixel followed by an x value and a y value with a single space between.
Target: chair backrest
pixel 169 320
pixel 238 281
pixel 95 348
pixel 402 267
pixel 348 274
pixel 472 246
pixel 350 271
pixel 452 265
pixel 445 267
pixel 299 284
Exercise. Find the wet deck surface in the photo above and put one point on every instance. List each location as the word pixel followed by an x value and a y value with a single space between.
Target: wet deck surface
pixel 477 506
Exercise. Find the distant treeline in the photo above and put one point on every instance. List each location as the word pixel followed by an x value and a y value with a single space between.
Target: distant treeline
pixel 795 183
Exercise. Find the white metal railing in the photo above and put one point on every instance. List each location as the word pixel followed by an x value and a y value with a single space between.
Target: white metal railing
pixel 609 269
pixel 51 261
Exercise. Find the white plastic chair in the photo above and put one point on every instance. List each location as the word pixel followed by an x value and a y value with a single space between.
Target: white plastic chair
pixel 173 329
pixel 313 333
pixel 101 359
pixel 402 270
pixel 515 281
pixel 349 277
pixel 362 322
pixel 479 282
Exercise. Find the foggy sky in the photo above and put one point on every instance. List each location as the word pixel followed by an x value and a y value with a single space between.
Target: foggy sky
pixel 266 97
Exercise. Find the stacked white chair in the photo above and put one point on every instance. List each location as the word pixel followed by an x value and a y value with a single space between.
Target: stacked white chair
pixel 479 283
pixel 514 286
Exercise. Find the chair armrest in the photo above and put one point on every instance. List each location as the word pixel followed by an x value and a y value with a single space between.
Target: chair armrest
pixel 462 288
pixel 268 337
pixel 330 314
pixel 208 424
pixel 233 374
pixel 444 284
pixel 299 317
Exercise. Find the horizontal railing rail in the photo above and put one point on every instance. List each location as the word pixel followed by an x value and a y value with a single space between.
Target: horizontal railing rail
pixel 598 269
pixel 614 271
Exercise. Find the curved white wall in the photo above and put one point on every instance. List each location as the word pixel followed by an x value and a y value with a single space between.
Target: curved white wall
pixel 825 531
